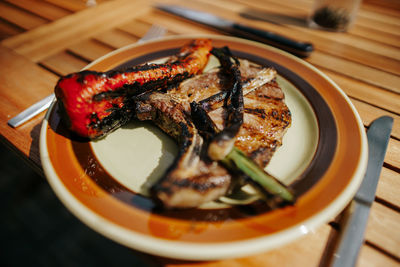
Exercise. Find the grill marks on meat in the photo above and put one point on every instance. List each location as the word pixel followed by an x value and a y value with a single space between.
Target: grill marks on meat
pixel 266 116
pixel 191 180
pixel 266 120
pixel 209 88
pixel 95 103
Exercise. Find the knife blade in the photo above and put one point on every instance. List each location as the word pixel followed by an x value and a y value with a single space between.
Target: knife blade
pixel 301 49
pixel 354 221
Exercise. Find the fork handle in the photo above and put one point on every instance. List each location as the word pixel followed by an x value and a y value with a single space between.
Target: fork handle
pixel 32 111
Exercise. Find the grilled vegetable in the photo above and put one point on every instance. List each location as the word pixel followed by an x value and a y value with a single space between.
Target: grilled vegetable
pixel 95 103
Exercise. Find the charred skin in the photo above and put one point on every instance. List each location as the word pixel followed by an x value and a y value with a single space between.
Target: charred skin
pixel 94 103
pixel 223 141
pixel 191 180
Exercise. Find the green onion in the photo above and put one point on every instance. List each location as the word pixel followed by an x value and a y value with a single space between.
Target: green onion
pixel 258 175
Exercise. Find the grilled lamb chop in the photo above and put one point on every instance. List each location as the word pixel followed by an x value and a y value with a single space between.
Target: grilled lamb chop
pixel 95 103
pixel 191 180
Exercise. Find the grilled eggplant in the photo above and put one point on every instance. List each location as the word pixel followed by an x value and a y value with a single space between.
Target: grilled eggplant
pixel 95 103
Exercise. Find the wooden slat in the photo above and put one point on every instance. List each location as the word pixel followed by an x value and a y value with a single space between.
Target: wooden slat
pixel 389 187
pixel 58 35
pixel 373 17
pixel 357 71
pixel 116 38
pixel 387 4
pixel 40 84
pixel 369 113
pixel 64 63
pixel 71 5
pixel 40 8
pixel 392 154
pixel 7 30
pixel 368 33
pixel 382 229
pixel 370 257
pixel 365 92
pixel 381 10
pixel 135 27
pixel 377 25
pixel 19 17
pixel 90 49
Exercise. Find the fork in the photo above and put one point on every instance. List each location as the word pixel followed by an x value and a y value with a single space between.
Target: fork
pixel 154 32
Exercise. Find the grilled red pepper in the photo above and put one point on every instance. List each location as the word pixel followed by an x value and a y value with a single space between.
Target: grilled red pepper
pixel 95 103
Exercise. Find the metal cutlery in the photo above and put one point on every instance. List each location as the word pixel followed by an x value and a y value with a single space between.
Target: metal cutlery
pixel 356 214
pixel 154 32
pixel 301 49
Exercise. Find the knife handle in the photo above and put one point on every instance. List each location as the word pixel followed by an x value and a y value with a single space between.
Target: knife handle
pixel 301 49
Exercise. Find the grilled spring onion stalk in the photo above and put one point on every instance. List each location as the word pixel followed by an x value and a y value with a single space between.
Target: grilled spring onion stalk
pixel 273 191
pixel 265 182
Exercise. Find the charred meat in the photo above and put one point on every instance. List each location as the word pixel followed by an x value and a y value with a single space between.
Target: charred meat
pixel 265 119
pixel 194 178
pixel 191 180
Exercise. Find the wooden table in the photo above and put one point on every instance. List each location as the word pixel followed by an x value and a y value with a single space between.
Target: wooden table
pixel 43 39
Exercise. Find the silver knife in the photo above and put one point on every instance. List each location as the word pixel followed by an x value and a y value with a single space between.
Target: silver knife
pixel 356 215
pixel 301 49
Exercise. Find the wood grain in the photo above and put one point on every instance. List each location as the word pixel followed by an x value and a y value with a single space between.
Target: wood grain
pixel 41 8
pixel 370 257
pixel 64 63
pixel 364 92
pixel 381 229
pixel 389 187
pixel 40 84
pixel 20 17
pixel 90 49
pixel 58 35
pixel 116 38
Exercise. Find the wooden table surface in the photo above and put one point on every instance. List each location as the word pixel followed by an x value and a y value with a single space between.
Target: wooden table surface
pixel 44 39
